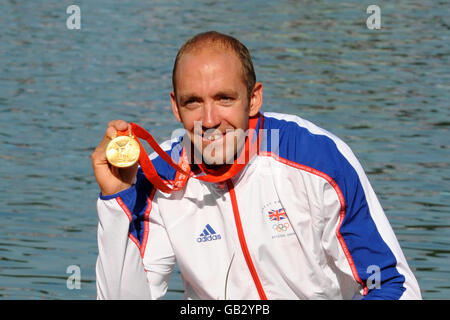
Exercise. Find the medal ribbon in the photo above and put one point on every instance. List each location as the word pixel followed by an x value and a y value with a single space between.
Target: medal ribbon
pixel 184 169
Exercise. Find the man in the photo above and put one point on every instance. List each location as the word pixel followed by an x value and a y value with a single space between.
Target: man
pixel 296 219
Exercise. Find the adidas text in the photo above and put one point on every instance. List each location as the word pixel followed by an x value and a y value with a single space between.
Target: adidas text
pixel 209 238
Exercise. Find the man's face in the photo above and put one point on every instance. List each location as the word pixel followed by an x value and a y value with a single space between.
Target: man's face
pixel 212 102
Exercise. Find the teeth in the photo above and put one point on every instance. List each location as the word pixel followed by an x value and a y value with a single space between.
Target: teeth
pixel 213 137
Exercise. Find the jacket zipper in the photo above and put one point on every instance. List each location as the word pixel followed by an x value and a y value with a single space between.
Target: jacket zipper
pixel 243 243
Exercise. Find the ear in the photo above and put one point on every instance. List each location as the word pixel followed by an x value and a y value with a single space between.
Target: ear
pixel 173 100
pixel 256 99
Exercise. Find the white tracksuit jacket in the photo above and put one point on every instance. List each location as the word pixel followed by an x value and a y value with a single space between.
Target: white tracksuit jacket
pixel 300 221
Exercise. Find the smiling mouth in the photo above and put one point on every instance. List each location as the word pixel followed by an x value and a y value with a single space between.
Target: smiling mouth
pixel 212 138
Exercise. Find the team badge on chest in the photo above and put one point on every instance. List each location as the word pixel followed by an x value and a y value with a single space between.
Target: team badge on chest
pixel 277 219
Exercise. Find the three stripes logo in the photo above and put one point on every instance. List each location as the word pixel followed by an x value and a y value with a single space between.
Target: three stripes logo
pixel 208 234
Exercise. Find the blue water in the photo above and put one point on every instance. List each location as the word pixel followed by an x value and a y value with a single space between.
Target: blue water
pixel 385 92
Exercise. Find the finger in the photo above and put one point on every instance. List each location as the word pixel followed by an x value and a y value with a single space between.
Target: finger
pixel 101 147
pixel 110 133
pixel 120 125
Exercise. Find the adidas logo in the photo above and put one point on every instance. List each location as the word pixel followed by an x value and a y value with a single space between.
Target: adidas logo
pixel 208 234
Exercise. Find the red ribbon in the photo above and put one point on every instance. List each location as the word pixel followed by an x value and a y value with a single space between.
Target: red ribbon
pixel 184 172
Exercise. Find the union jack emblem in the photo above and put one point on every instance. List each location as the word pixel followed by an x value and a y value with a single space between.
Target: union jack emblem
pixel 277 215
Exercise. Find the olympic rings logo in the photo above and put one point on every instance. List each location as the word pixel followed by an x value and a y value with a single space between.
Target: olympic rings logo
pixel 280 227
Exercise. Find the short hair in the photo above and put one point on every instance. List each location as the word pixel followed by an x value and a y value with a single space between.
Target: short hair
pixel 227 41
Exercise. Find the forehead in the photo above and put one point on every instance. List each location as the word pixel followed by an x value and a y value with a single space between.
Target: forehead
pixel 212 64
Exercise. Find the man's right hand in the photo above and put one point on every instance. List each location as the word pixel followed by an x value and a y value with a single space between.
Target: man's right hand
pixel 111 179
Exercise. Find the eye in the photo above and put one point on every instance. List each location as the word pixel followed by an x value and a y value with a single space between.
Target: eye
pixel 226 99
pixel 190 102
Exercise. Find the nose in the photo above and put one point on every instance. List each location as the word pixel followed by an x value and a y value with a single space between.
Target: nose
pixel 210 117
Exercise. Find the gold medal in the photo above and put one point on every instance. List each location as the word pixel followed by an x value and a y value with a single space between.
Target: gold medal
pixel 123 151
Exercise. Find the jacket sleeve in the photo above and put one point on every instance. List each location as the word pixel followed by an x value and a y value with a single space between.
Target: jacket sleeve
pixel 359 238
pixel 129 241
